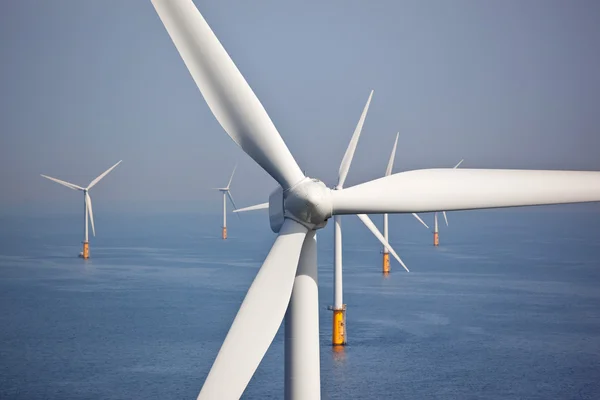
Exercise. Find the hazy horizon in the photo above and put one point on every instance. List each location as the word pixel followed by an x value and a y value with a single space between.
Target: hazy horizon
pixel 85 84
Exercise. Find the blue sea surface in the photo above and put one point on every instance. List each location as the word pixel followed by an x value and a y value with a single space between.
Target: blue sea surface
pixel 507 307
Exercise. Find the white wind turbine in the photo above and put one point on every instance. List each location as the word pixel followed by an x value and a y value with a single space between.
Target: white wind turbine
pixel 226 193
pixel 87 206
pixel 388 172
pixel 436 235
pixel 286 283
pixel 339 329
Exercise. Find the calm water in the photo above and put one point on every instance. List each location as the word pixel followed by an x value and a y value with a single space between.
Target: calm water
pixel 507 307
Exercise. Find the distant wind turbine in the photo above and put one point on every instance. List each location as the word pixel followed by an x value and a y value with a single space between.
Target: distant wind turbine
pixel 339 332
pixel 87 206
pixel 226 193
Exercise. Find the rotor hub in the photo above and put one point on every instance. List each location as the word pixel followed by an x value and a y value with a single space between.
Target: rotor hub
pixel 308 203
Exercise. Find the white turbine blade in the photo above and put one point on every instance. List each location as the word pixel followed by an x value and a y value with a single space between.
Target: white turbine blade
pixel 460 162
pixel 226 92
pixel 88 203
pixel 446 218
pixel 390 165
pixel 369 224
pixel 258 319
pixel 231 199
pixel 466 189
pixel 252 208
pixel 420 220
pixel 347 160
pixel 93 183
pixel 67 184
pixel 232 202
pixel 230 179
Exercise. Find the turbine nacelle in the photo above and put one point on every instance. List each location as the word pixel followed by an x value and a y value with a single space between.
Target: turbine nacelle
pixel 308 203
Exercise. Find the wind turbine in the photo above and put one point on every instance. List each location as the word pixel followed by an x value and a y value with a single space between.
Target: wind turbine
pixel 87 206
pixel 226 193
pixel 436 235
pixel 339 327
pixel 286 283
pixel 388 172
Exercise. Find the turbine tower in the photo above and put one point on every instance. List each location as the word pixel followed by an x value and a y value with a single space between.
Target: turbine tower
pixel 386 253
pixel 436 234
pixel 286 283
pixel 87 207
pixel 226 193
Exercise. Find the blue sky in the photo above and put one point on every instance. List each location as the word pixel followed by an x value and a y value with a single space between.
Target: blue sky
pixel 504 84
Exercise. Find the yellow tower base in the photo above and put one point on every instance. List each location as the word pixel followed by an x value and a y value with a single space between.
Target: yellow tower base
pixel 339 327
pixel 436 239
pixel 386 263
pixel 224 233
pixel 85 254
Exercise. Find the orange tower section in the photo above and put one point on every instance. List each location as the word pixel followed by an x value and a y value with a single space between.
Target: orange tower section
pixel 85 254
pixel 386 262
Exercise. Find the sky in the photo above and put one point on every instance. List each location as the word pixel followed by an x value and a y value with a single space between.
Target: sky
pixel 503 84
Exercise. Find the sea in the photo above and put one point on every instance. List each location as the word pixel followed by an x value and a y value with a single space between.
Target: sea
pixel 507 307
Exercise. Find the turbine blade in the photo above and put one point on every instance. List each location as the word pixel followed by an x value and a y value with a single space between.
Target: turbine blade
pixel 369 224
pixel 258 319
pixel 460 162
pixel 449 189
pixel 230 179
pixel 390 165
pixel 347 160
pixel 231 199
pixel 88 202
pixel 420 220
pixel 446 218
pixel 252 208
pixel 64 183
pixel 232 202
pixel 93 183
pixel 226 92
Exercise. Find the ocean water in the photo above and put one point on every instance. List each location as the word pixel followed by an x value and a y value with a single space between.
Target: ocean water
pixel 508 306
